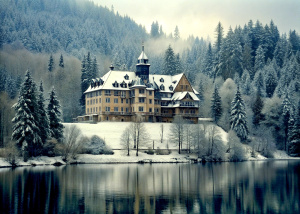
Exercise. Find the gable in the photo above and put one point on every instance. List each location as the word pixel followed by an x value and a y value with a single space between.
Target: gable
pixel 183 85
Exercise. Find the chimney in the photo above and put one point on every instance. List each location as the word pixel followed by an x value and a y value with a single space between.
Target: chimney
pixel 111 67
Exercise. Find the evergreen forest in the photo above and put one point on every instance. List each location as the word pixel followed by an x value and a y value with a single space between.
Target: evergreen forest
pixel 248 77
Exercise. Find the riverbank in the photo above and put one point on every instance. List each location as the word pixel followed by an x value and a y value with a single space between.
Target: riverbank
pixel 120 156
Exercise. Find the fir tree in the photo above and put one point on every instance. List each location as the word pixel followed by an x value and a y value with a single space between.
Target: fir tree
pixel 286 114
pixel 259 59
pixel 26 123
pixel 270 80
pixel 43 117
pixel 238 119
pixel 61 61
pixel 178 65
pixel 208 62
pixel 169 63
pixel 294 135
pixel 94 69
pixel 54 115
pixel 259 83
pixel 216 105
pixel 51 64
pixel 257 108
pixel 84 83
pixel 176 33
pixel 219 36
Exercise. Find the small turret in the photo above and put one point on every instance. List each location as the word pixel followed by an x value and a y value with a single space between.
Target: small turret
pixel 142 66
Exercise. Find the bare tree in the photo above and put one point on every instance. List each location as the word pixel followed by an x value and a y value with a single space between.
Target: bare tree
pixel 198 138
pixel 177 131
pixel 73 142
pixel 216 149
pixel 125 140
pixel 161 133
pixel 139 134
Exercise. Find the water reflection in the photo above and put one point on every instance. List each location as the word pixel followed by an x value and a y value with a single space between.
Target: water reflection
pixel 249 187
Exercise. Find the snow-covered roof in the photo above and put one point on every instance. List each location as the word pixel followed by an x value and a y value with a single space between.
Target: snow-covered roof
pixel 143 56
pixel 168 82
pixel 181 95
pixel 124 80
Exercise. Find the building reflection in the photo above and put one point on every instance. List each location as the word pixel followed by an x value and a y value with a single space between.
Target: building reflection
pixel 249 187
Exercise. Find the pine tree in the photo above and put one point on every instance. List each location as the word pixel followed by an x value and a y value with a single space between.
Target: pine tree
pixel 176 33
pixel 238 118
pixel 54 115
pixel 286 114
pixel 26 123
pixel 259 83
pixel 61 61
pixel 294 136
pixel 178 64
pixel 270 80
pixel 43 117
pixel 51 64
pixel 216 106
pixel 219 35
pixel 259 59
pixel 208 62
pixel 84 83
pixel 94 69
pixel 257 108
pixel 169 62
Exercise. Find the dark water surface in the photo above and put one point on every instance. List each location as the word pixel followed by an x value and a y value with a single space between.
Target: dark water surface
pixel 248 187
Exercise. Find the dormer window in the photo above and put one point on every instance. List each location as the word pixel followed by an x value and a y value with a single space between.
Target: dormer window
pixel 126 77
pixel 171 88
pixel 161 80
pixel 162 87
pixel 123 84
pixel 115 84
pixel 174 81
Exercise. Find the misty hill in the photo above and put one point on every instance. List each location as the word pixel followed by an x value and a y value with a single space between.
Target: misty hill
pixel 71 26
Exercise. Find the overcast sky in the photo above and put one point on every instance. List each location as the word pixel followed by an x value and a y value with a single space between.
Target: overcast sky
pixel 200 17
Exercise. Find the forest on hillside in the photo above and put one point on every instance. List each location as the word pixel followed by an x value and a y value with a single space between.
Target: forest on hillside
pixel 256 58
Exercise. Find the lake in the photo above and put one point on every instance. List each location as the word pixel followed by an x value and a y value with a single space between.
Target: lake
pixel 246 187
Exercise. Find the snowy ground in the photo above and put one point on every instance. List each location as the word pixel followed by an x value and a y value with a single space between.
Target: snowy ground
pixel 112 131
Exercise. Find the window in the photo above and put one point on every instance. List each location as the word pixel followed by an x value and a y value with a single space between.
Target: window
pixel 107 100
pixel 127 109
pixel 88 102
pixel 141 91
pixel 87 110
pixel 96 109
pixel 141 99
pixel 186 87
pixel 116 93
pixel 161 80
pixel 116 100
pixel 150 101
pixel 99 93
pixel 162 87
pixel 150 109
pixel 107 108
pixel 122 109
pixel 150 93
pixel 181 86
pixel 127 101
pixel 141 108
pixel 116 109
pixel 171 88
pixel 99 100
pixel 122 100
pixel 96 101
pixel 107 92
pixel 126 77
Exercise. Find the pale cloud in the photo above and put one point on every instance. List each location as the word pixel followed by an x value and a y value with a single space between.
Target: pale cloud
pixel 200 17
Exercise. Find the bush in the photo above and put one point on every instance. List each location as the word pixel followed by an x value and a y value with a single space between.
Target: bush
pixel 11 153
pixel 97 146
pixel 51 148
pixel 163 152
pixel 149 151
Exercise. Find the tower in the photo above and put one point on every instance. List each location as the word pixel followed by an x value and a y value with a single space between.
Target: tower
pixel 142 66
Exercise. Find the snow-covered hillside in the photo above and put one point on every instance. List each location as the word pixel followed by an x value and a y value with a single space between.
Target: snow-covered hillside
pixel 112 131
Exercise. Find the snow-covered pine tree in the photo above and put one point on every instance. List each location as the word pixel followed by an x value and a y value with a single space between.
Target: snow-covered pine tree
pixel 84 83
pixel 259 83
pixel 51 64
pixel 257 108
pixel 54 114
pixel 286 114
pixel 270 80
pixel 94 69
pixel 294 136
pixel 208 62
pixel 216 105
pixel 61 61
pixel 178 64
pixel 176 33
pixel 238 118
pixel 43 117
pixel 259 59
pixel 26 124
pixel 169 62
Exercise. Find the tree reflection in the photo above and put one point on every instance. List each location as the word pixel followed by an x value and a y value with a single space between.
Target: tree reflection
pixel 249 187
